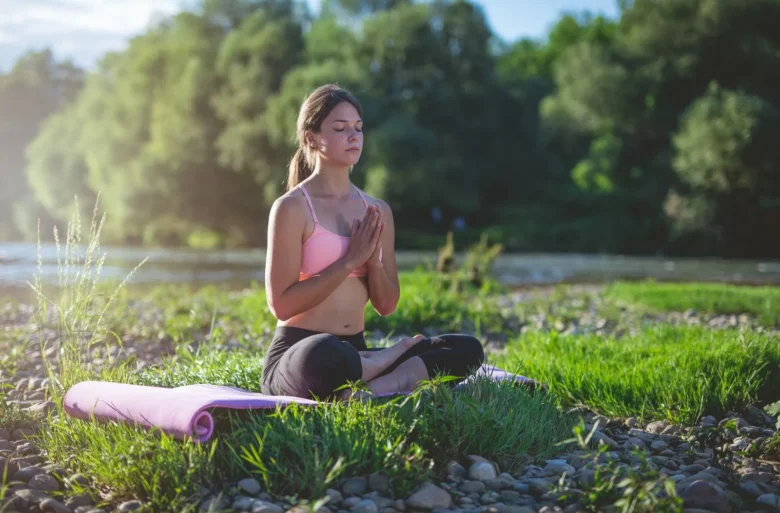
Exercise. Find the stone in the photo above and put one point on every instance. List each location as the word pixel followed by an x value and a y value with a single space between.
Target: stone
pixel 76 501
pixel 8 469
pixel 334 495
pixel 355 486
pixel 602 439
pixel 128 506
pixel 511 508
pixel 657 427
pixel 250 485
pixel 586 477
pixel 482 471
pixel 261 506
pixel 759 417
pixel 769 501
pixel 428 497
pixel 365 506
pixel 758 477
pixel 351 501
pixel 658 445
pixel 709 420
pixel 472 487
pixel 381 502
pixel 538 487
pixel 497 484
pixel 705 495
pixel 634 443
pixel 43 482
pixel 559 467
pixel 243 503
pixel 378 482
pixel 214 504
pixel 28 497
pixel 26 473
pixel 455 469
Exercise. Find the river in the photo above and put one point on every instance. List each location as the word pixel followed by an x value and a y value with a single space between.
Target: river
pixel 19 264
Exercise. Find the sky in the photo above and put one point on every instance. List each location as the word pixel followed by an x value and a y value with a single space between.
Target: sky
pixel 83 30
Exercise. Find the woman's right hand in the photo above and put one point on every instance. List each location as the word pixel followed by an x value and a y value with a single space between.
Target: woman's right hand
pixel 365 237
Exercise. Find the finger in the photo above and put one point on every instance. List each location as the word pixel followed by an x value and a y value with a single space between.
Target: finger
pixel 377 234
pixel 367 215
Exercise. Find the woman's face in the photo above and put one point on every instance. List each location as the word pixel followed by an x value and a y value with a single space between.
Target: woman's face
pixel 340 139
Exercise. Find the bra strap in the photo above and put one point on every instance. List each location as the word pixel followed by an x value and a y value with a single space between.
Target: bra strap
pixel 311 207
pixel 365 203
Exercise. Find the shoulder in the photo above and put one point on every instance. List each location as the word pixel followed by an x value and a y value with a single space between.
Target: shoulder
pixel 289 206
pixel 383 206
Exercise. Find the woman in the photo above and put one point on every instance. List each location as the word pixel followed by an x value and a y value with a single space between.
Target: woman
pixel 330 250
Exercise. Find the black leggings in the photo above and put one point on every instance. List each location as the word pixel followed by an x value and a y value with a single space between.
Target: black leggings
pixel 306 363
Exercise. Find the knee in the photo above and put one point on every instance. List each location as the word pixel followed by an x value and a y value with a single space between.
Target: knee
pixel 474 353
pixel 330 363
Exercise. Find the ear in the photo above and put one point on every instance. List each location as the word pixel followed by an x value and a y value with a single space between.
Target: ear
pixel 311 140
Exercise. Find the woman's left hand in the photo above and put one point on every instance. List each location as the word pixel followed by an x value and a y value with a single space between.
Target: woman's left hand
pixel 374 261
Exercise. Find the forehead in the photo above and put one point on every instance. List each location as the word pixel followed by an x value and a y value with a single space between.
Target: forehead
pixel 345 111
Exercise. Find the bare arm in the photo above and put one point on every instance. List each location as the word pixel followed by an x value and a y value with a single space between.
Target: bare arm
pixel 286 296
pixel 383 287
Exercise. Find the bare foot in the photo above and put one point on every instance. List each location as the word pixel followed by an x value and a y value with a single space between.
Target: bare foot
pixel 374 362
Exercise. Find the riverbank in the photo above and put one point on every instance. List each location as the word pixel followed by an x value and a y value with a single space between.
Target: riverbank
pixel 653 377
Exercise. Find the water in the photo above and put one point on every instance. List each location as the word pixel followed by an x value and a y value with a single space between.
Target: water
pixel 19 264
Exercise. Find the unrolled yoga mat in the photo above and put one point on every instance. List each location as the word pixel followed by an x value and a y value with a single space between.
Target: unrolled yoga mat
pixel 183 411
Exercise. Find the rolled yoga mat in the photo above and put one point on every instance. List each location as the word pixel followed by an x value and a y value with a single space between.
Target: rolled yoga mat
pixel 182 412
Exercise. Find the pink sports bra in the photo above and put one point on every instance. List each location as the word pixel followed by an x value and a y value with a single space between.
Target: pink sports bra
pixel 323 247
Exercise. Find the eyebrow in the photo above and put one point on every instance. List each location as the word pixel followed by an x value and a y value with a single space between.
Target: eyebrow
pixel 345 121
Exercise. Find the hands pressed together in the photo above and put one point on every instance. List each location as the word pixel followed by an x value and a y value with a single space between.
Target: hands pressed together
pixel 364 246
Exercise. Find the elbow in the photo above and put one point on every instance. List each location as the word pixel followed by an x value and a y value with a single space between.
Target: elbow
pixel 385 310
pixel 279 312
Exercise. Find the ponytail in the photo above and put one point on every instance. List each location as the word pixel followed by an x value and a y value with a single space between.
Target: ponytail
pixel 300 169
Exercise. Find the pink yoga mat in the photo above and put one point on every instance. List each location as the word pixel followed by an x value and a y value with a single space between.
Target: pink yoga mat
pixel 183 411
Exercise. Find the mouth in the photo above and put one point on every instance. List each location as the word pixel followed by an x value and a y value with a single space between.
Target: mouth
pixel 353 149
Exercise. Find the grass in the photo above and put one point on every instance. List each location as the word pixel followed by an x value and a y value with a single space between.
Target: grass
pixel 219 337
pixel 713 298
pixel 664 372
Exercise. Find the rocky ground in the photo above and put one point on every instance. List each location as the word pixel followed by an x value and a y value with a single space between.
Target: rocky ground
pixel 714 469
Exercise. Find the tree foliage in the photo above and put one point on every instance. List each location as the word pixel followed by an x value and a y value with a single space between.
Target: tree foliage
pixel 653 132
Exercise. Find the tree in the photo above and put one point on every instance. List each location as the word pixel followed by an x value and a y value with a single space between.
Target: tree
pixel 36 87
pixel 727 157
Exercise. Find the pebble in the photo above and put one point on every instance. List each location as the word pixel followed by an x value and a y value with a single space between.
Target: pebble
pixel 705 495
pixel 472 487
pixel 428 497
pixel 127 507
pixel 261 506
pixel 355 486
pixel 455 469
pixel 54 506
pixel 43 482
pixel 365 506
pixel 378 482
pixel 482 471
pixel 250 486
pixel 769 500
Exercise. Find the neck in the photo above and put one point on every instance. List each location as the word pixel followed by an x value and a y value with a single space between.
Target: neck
pixel 331 181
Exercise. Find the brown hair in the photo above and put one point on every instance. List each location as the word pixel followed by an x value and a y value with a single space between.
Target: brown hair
pixel 313 112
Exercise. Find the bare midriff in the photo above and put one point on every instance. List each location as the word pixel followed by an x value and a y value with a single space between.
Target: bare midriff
pixel 341 313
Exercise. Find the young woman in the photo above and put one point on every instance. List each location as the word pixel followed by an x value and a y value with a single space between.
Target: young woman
pixel 331 250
